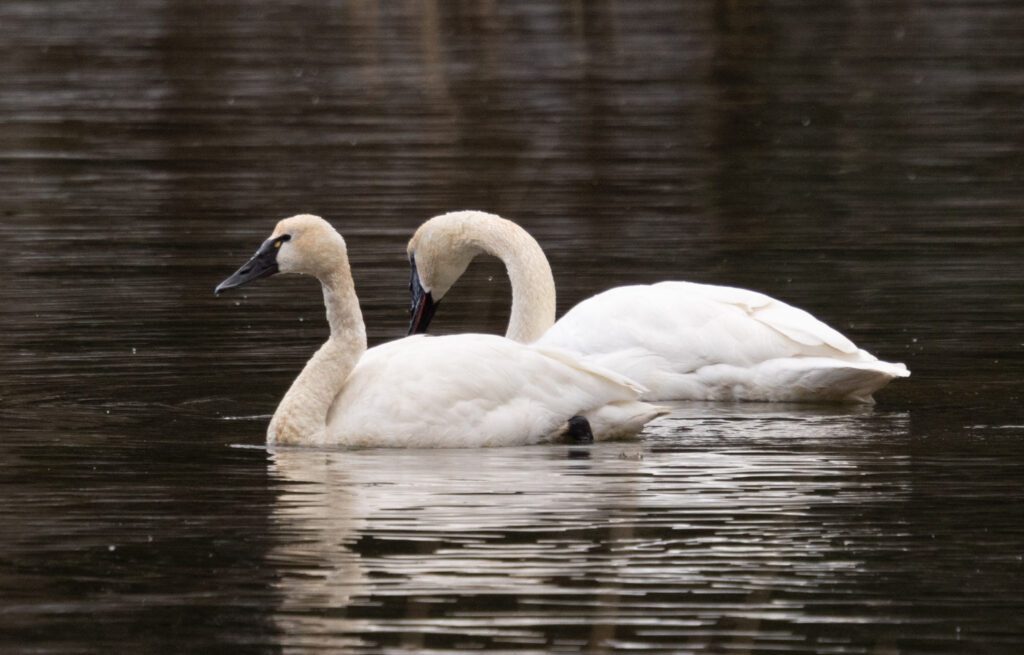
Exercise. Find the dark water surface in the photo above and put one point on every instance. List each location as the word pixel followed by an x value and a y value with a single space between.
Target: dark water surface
pixel 862 160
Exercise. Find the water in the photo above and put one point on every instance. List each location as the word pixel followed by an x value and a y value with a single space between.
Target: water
pixel 864 163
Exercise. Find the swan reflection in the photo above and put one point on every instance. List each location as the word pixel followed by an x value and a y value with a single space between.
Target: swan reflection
pixel 538 546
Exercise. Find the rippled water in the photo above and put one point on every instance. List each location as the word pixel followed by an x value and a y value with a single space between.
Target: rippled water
pixel 864 163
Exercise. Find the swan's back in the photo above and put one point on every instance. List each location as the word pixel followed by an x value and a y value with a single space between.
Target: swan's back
pixel 704 342
pixel 474 390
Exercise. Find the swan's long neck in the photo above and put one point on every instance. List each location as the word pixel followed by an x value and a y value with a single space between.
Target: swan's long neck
pixel 533 285
pixel 301 418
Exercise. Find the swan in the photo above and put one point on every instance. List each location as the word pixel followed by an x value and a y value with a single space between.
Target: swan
pixel 680 340
pixel 459 391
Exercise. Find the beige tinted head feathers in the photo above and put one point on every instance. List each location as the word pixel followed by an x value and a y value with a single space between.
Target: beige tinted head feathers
pixel 304 244
pixel 310 246
pixel 444 246
pixel 441 250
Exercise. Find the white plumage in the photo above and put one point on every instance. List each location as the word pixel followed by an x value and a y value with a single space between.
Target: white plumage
pixel 476 390
pixel 703 342
pixel 457 391
pixel 680 340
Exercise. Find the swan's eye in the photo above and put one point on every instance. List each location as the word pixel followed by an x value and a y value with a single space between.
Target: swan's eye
pixel 281 239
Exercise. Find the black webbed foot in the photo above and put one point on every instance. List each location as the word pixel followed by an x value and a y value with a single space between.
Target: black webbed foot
pixel 579 430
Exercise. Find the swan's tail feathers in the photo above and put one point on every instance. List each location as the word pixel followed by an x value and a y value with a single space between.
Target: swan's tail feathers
pixel 822 379
pixel 622 420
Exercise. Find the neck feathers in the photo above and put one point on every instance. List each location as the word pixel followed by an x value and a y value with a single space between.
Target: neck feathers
pixel 301 418
pixel 533 285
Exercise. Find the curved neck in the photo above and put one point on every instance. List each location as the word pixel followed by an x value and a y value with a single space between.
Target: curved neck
pixel 301 417
pixel 533 285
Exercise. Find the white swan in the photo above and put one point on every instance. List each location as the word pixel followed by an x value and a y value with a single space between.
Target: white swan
pixel 458 391
pixel 683 341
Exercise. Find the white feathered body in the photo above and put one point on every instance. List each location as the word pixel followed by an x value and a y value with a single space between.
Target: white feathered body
pixel 687 341
pixel 473 390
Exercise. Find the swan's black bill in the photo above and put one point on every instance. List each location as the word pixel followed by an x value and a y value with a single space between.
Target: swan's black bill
pixel 260 265
pixel 423 305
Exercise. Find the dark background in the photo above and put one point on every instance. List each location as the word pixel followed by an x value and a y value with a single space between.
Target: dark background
pixel 860 160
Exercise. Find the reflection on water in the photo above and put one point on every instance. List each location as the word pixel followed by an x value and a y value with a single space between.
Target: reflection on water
pixel 861 162
pixel 694 538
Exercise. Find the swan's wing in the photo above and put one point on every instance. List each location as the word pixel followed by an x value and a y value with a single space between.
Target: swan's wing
pixel 589 368
pixel 466 390
pixel 795 323
pixel 694 325
pixel 696 341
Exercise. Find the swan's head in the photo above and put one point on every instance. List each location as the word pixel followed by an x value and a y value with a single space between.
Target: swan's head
pixel 439 254
pixel 304 244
